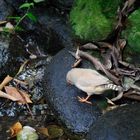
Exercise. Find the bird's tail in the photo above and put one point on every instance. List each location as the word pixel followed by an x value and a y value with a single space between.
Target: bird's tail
pixel 113 87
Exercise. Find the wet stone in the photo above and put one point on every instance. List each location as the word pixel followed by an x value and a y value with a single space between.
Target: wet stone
pixel 57 26
pixel 5 10
pixel 62 4
pixel 122 123
pixel 76 116
pixel 15 3
pixel 10 58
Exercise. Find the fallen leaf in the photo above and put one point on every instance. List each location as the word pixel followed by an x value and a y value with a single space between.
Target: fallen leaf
pixel 1 29
pixel 43 130
pixel 21 96
pixel 15 129
pixel 4 95
pixel 132 96
pixel 55 131
pixel 6 80
pixel 51 131
pixel 9 26
pixel 3 22
pixel 27 133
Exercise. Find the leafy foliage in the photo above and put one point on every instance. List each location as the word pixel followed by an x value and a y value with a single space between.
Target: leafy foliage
pixel 37 1
pixel 93 19
pixel 18 19
pixel 132 32
pixel 26 5
pixel 31 16
pixel 109 8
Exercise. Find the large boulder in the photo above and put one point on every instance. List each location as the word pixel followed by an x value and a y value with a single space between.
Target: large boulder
pixel 62 4
pixel 58 30
pixel 76 116
pixel 5 10
pixel 12 55
pixel 15 3
pixel 122 123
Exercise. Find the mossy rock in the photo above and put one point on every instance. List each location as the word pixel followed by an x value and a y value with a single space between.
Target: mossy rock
pixel 109 8
pixel 132 32
pixel 93 19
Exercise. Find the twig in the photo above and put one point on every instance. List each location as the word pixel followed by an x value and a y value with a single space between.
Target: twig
pixel 105 45
pixel 5 81
pixel 21 67
pixel 119 96
pixel 89 46
pixel 98 66
pixel 132 95
pixel 135 87
pixel 76 63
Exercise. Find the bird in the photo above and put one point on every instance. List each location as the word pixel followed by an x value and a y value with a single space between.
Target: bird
pixel 90 81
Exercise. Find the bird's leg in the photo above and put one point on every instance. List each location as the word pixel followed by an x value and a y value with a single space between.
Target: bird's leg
pixel 84 100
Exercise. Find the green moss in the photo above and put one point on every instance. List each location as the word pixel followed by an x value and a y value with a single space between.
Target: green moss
pixel 92 19
pixel 132 32
pixel 109 8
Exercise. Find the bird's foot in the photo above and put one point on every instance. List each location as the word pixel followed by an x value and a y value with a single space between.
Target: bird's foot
pixel 83 100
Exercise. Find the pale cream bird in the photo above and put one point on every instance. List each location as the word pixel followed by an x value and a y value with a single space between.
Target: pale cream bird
pixel 89 81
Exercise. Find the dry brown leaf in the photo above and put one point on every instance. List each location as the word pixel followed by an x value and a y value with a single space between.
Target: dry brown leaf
pixel 4 95
pixel 15 129
pixel 25 98
pixel 132 96
pixel 43 130
pixel 21 96
pixel 3 22
pixel 51 131
pixel 1 29
pixel 6 80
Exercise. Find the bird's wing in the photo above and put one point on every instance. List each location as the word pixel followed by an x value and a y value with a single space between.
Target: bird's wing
pixel 92 80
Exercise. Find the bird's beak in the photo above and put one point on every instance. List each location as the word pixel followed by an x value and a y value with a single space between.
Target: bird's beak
pixel 68 83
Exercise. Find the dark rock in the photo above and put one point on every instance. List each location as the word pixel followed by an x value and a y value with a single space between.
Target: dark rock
pixel 12 55
pixel 15 3
pixel 122 123
pixel 76 116
pixel 32 73
pixel 59 30
pixel 37 41
pixel 51 31
pixel 5 10
pixel 62 4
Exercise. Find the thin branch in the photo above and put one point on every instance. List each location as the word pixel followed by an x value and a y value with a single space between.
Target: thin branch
pixel 119 96
pixel 30 112
pixel 89 46
pixel 98 65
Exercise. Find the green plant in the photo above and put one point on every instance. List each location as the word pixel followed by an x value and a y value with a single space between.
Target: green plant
pixel 27 7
